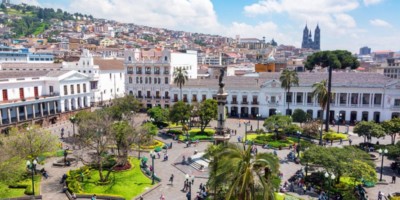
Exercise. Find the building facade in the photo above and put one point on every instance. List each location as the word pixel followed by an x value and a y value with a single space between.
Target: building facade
pixel 149 78
pixel 107 76
pixel 41 96
pixel 13 55
pixel 356 96
pixel 308 42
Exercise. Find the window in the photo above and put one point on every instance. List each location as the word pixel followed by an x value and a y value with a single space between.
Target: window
pixel 72 89
pixel 165 58
pixel 137 80
pixel 309 98
pixel 130 79
pixel 289 97
pixel 140 94
pixel 397 102
pixel 110 76
pixel 204 97
pixel 343 98
pixel 129 58
pixel 51 90
pixel 377 99
pixel 5 95
pixel 78 88
pixel 155 80
pixel 159 80
pixel 84 88
pixel 65 90
pixel 35 91
pixel 145 80
pixel 166 95
pixel 149 80
pixel 365 99
pixel 166 80
pixel 21 93
pixel 273 99
pixel 299 97
pixel 141 80
pixel 148 94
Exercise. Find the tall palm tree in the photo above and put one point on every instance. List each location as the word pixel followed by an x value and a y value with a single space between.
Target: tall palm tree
pixel 180 77
pixel 321 93
pixel 288 79
pixel 246 176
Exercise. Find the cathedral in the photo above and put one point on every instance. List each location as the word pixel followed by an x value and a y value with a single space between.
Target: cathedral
pixel 308 42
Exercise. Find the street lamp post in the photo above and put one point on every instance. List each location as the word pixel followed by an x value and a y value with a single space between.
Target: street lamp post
pixel 382 152
pixel 298 144
pixel 245 131
pixel 320 136
pixel 152 155
pixel 338 116
pixel 329 181
pixel 276 132
pixel 32 166
pixel 258 122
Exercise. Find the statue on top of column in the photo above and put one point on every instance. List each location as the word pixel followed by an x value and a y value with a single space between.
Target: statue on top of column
pixel 221 78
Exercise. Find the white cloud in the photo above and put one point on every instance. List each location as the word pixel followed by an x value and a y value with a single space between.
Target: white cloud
pixel 380 23
pixel 193 15
pixel 371 2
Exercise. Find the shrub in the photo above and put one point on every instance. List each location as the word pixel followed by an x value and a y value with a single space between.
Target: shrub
pixel 175 131
pixel 207 131
pixel 334 136
pixel 292 129
pixel 74 186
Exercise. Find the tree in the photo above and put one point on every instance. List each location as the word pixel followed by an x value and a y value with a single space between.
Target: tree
pixel 179 113
pixel 150 129
pixel 392 128
pixel 320 92
pixel 338 59
pixel 32 142
pixel 337 160
pixel 246 176
pixel 180 78
pixel 299 116
pixel 125 106
pixel 95 131
pixel 288 79
pixel 277 121
pixel 158 114
pixel 207 111
pixel 369 129
pixel 311 128
pixel 123 135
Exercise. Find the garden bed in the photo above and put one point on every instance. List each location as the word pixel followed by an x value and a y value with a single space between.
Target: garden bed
pixel 126 184
pixel 21 188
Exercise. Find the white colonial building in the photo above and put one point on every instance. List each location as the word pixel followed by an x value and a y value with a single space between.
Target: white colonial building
pixel 107 77
pixel 149 74
pixel 356 96
pixel 41 96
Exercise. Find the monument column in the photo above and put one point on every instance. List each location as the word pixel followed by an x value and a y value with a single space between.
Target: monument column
pixel 221 134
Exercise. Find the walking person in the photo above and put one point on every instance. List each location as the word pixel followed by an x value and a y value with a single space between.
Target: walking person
pixel 394 179
pixel 62 133
pixel 171 179
pixel 350 141
pixel 380 195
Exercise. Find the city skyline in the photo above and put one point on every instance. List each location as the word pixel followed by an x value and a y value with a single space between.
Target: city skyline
pixel 345 24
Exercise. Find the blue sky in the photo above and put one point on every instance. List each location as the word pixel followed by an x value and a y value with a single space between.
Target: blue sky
pixel 345 24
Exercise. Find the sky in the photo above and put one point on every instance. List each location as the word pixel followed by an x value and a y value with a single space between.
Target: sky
pixel 344 24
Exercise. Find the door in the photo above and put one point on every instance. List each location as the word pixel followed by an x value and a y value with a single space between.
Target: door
pixel 5 95
pixel 36 91
pixel 21 93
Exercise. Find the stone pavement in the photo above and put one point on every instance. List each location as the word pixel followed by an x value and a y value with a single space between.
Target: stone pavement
pixel 164 169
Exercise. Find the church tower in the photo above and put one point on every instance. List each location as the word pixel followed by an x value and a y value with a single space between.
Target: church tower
pixel 304 44
pixel 317 38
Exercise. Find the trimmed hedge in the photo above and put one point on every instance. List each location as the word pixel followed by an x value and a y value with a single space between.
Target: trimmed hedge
pixel 197 131
pixel 334 136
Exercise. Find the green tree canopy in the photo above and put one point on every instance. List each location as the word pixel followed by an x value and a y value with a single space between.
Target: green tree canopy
pixel 158 114
pixel 337 160
pixel 392 128
pixel 124 106
pixel 123 135
pixel 369 128
pixel 180 112
pixel 338 59
pixel 299 116
pixel 277 120
pixel 207 111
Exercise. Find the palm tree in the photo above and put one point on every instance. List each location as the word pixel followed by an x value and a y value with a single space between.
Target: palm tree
pixel 288 79
pixel 321 93
pixel 245 176
pixel 180 77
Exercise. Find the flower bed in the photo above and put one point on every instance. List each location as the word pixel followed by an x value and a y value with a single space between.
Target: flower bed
pixel 334 136
pixel 156 144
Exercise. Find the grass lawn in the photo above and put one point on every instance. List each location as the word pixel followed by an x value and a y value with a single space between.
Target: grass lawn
pixel 12 11
pixel 39 29
pixel 6 192
pixel 127 184
pixel 269 138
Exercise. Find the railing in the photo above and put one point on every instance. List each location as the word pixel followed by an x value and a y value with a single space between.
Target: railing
pixel 166 72
pixel 185 100
pixel 158 97
pixel 148 72
pixel 156 72
pixel 167 97
pixel 138 72
pixel 175 100
pixel 194 100
pixel 254 103
pixel 245 102
pixel 234 102
pixel 148 97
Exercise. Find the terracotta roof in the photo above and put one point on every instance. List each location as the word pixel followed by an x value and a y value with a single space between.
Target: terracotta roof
pixel 27 74
pixel 31 65
pixel 109 64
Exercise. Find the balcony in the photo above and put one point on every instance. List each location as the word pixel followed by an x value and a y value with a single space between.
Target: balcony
pixel 175 100
pixel 234 102
pixel 194 100
pixel 166 72
pixel 185 100
pixel 158 97
pixel 167 97
pixel 138 72
pixel 245 102
pixel 148 72
pixel 139 97
pixel 130 72
pixel 156 72
pixel 148 97
pixel 254 103
pixel 273 103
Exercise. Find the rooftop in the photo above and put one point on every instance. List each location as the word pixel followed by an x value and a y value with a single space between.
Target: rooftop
pixel 109 64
